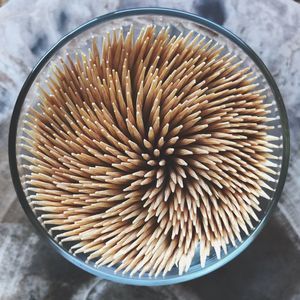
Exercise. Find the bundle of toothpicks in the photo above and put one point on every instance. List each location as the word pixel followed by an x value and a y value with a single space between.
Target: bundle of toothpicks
pixel 143 152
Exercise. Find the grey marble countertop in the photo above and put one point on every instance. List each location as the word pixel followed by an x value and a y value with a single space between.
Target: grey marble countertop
pixel 268 269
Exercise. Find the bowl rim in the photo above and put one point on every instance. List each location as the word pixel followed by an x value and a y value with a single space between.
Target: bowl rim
pixel 134 12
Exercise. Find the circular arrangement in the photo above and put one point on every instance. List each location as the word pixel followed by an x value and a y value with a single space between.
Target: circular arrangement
pixel 150 149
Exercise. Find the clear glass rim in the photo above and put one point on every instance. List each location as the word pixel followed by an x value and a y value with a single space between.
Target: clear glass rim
pixel 108 17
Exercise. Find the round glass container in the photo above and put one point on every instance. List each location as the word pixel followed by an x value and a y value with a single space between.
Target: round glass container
pixel 178 22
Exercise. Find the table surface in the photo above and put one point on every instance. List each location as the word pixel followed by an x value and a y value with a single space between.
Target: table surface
pixel 268 269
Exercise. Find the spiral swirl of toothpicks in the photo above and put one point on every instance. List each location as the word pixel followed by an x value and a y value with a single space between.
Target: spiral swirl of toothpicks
pixel 143 149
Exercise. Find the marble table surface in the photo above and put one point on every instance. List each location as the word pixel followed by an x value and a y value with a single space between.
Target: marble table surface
pixel 269 269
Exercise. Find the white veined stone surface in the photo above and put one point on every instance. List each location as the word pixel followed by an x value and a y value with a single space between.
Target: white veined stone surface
pixel 268 269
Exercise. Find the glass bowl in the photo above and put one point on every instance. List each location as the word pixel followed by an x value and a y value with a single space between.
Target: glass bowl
pixel 178 22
